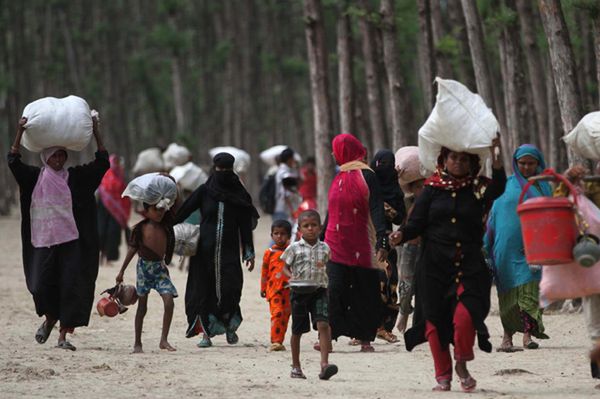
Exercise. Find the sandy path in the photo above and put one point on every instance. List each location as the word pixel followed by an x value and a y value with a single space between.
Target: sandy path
pixel 103 367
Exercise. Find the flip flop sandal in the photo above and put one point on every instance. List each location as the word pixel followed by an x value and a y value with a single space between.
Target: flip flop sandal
pixel 442 386
pixel 66 345
pixel 328 371
pixel 42 333
pixel 531 345
pixel 467 384
pixel 509 349
pixel 297 373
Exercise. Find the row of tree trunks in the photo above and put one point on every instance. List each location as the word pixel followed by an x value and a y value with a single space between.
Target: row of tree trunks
pixel 345 72
pixel 425 53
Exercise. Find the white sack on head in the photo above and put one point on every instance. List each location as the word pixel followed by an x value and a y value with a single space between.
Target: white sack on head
pixel 57 122
pixel 175 155
pixel 408 167
pixel 186 239
pixel 461 122
pixel 153 189
pixel 189 176
pixel 149 161
pixel 584 139
pixel 269 156
pixel 242 158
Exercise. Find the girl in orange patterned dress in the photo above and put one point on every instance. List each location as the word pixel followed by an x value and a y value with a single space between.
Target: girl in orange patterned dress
pixel 273 284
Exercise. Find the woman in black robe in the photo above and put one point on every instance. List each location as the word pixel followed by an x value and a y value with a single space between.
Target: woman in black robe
pixel 215 279
pixel 383 164
pixel 452 280
pixel 62 277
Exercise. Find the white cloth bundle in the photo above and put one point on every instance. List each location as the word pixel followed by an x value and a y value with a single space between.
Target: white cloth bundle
pixel 189 176
pixel 148 161
pixel 269 156
pixel 584 139
pixel 175 155
pixel 242 158
pixel 408 167
pixel 57 122
pixel 461 122
pixel 154 189
pixel 186 239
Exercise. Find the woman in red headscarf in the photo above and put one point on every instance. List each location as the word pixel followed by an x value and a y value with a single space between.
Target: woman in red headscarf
pixel 113 211
pixel 356 233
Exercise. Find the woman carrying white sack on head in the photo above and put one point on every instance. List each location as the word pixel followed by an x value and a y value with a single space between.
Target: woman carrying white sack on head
pixel 59 234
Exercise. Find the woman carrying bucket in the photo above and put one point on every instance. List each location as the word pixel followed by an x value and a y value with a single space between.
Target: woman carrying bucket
pixel 452 281
pixel 516 281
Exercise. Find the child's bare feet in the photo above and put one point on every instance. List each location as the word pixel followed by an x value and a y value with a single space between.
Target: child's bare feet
pixel 137 349
pixel 167 346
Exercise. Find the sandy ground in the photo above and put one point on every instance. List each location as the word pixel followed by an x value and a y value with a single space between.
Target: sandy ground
pixel 102 366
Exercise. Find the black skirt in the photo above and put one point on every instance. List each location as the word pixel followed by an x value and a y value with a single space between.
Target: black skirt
pixel 355 308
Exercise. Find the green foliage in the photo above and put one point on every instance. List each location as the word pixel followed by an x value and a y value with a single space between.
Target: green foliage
pixel 294 67
pixel 448 45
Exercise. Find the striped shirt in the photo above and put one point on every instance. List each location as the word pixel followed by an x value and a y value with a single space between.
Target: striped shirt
pixel 308 262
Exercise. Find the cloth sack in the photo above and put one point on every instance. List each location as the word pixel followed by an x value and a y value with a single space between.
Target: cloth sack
pixel 408 167
pixel 460 121
pixel 154 189
pixel 189 176
pixel 270 155
pixel 57 122
pixel 572 280
pixel 175 155
pixel 148 161
pixel 186 239
pixel 242 158
pixel 584 139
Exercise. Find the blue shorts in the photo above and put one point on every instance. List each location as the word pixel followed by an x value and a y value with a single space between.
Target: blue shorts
pixel 153 274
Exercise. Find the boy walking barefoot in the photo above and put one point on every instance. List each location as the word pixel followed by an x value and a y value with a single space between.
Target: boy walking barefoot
pixel 273 283
pixel 305 260
pixel 153 240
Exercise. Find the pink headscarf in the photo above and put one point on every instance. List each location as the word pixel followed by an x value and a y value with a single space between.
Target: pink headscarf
pixel 52 220
pixel 350 232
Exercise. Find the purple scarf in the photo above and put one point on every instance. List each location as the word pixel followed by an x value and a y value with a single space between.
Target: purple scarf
pixel 52 220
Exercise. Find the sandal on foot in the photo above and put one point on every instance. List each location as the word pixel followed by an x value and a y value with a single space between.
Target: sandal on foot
pixel 276 347
pixel 66 345
pixel 531 345
pixel 367 348
pixel 467 384
pixel 442 386
pixel 509 349
pixel 205 342
pixel 297 373
pixel 328 371
pixel 232 337
pixel 42 333
pixel 387 336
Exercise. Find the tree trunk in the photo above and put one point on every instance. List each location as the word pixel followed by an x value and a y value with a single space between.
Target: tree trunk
pixel 317 59
pixel 425 51
pixel 596 22
pixel 400 108
pixel 563 68
pixel 372 79
pixel 345 73
pixel 535 69
pixel 443 67
pixel 515 99
pixel 459 28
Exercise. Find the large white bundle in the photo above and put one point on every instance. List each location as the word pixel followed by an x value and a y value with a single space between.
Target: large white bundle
pixel 269 156
pixel 242 158
pixel 186 239
pixel 175 155
pixel 51 121
pixel 459 121
pixel 148 161
pixel 584 139
pixel 153 189
pixel 189 176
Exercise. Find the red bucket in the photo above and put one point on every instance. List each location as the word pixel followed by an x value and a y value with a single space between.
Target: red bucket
pixel 548 225
pixel 107 307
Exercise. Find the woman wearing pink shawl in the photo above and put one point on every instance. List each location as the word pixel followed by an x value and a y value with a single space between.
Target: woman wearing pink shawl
pixel 59 235
pixel 113 210
pixel 356 233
